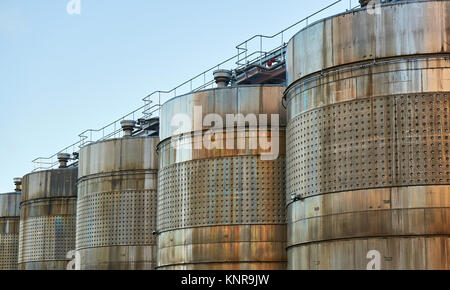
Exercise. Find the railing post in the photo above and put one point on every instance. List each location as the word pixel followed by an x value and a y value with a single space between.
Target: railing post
pixel 243 46
pixel 238 55
pixel 246 52
pixel 260 50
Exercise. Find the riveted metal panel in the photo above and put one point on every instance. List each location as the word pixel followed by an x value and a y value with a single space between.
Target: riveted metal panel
pixel 117 205
pixel 372 174
pixel 368 139
pixel 47 219
pixel 46 238
pixel 9 246
pixel 221 207
pixel 236 190
pixel 9 230
pixel 383 78
pixel 134 208
pixel 375 142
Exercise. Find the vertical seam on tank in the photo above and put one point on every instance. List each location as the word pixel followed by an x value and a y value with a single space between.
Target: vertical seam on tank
pixel 446 251
pixel 421 80
pixel 394 138
pixel 332 39
pixel 261 100
pixel 376 32
pixel 444 39
pixel 290 56
pixel 426 247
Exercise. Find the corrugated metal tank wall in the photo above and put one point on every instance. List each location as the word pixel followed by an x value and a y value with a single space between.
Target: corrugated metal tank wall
pixel 368 139
pixel 47 219
pixel 9 230
pixel 221 208
pixel 117 204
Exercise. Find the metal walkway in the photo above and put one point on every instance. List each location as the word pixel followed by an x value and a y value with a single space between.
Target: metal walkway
pixel 257 59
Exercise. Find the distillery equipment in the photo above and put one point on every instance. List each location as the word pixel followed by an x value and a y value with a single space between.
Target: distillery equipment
pixel 47 217
pixel 221 197
pixel 9 227
pixel 117 203
pixel 368 172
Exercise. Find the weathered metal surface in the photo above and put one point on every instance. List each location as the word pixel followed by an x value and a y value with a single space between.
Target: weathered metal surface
pixel 408 225
pixel 235 190
pixel 402 28
pixel 117 204
pixel 221 208
pixel 260 75
pixel 184 148
pixel 383 78
pixel 368 142
pixel 406 253
pixel 47 219
pixel 376 142
pixel 9 230
pixel 397 211
pixel 261 99
pixel 224 247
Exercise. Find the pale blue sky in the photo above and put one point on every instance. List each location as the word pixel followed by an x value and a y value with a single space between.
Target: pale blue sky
pixel 61 73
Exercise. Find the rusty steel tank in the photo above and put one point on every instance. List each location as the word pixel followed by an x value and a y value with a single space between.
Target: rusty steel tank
pixel 368 171
pixel 9 227
pixel 221 208
pixel 47 217
pixel 117 203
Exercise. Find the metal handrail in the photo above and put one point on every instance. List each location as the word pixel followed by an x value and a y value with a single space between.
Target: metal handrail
pixel 243 47
pixel 52 160
pixel 203 74
pixel 115 123
pixel 153 101
pixel 259 55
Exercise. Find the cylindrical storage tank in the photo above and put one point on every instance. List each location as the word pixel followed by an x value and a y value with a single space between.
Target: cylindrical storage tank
pixel 9 229
pixel 47 219
pixel 368 169
pixel 220 192
pixel 117 204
